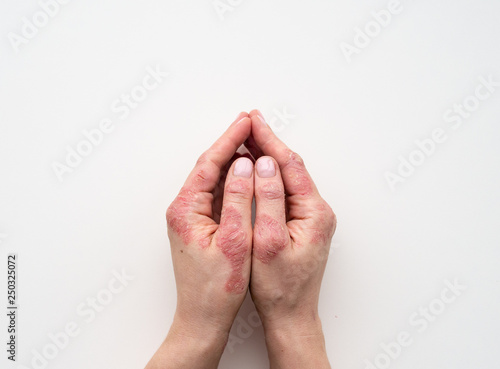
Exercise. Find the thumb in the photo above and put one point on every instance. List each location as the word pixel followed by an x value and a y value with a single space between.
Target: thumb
pixel 234 236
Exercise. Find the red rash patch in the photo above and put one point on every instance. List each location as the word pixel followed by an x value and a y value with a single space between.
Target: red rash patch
pixel 271 191
pixel 177 215
pixel 298 177
pixel 201 179
pixel 233 243
pixel 272 237
pixel 238 187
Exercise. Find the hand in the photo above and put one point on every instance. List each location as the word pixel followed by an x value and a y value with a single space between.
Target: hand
pixel 210 231
pixel 211 241
pixel 292 234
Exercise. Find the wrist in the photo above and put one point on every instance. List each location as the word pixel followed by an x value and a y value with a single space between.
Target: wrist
pixel 303 320
pixel 212 333
pixel 195 321
pixel 296 343
pixel 293 327
pixel 186 348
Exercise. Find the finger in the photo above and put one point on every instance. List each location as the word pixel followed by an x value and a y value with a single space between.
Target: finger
pixel 193 204
pixel 270 233
pixel 240 116
pixel 206 174
pixel 218 192
pixel 296 178
pixel 234 236
pixel 250 143
pixel 254 112
pixel 213 160
pixel 253 148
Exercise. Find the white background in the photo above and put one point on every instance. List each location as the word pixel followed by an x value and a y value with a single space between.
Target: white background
pixel 393 250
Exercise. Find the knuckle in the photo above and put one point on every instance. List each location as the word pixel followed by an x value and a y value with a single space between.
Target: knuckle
pixel 325 218
pixel 201 177
pixel 233 239
pixel 271 191
pixel 270 238
pixel 180 206
pixel 294 160
pixel 330 215
pixel 202 159
pixel 238 239
pixel 239 188
pixel 277 241
pixel 169 215
pixel 172 217
pixel 174 213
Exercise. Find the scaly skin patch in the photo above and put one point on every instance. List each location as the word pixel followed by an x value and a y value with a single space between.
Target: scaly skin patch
pixel 232 241
pixel 271 237
pixel 178 218
pixel 298 176
pixel 271 191
pixel 177 215
pixel 238 187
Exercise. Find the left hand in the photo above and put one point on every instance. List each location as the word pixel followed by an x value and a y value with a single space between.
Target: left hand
pixel 210 231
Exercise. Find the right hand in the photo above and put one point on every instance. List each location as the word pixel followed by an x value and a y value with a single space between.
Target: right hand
pixel 292 235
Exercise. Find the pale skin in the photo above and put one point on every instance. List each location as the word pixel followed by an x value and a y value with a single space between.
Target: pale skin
pixel 218 256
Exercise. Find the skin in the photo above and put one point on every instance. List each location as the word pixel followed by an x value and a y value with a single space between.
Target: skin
pixel 292 235
pixel 218 257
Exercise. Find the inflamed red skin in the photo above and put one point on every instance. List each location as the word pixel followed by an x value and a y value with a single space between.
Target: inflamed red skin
pixel 233 243
pixel 177 215
pixel 298 178
pixel 181 218
pixel 230 237
pixel 271 237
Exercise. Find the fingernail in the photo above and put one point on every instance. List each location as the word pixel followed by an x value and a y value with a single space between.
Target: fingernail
pixel 243 168
pixel 266 168
pixel 262 120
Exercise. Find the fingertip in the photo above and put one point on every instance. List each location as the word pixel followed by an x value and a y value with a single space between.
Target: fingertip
pixel 241 115
pixel 260 129
pixel 243 126
pixel 239 190
pixel 243 167
pixel 255 112
pixel 266 167
pixel 269 184
pixel 242 120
